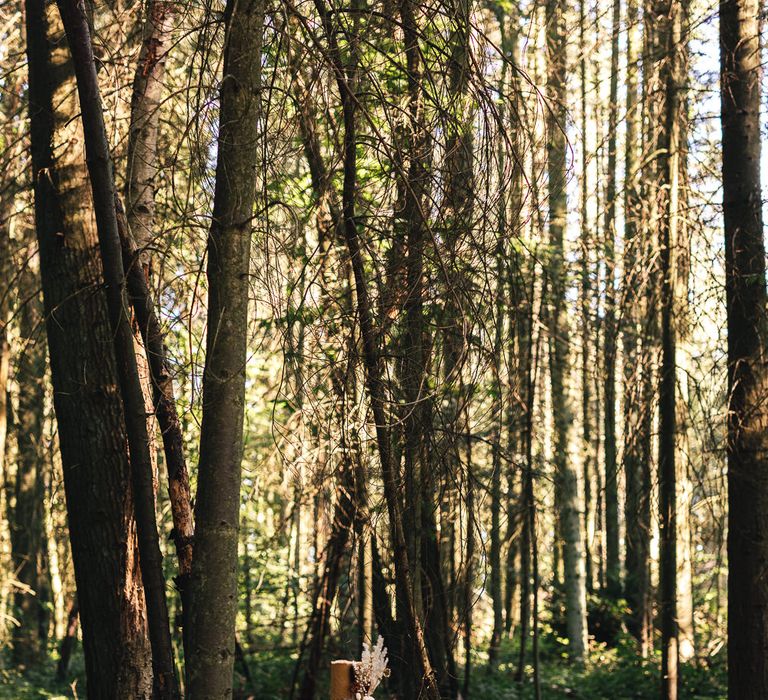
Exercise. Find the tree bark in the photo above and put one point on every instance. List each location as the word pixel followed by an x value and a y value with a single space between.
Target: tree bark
pixel 637 515
pixel 498 418
pixel 89 413
pixel 740 67
pixel 519 310
pixel 409 225
pixel 137 233
pixel 529 574
pixel 145 117
pixel 685 351
pixel 214 566
pixel 587 447
pixel 498 414
pixel 469 565
pixel 420 483
pixel 610 330
pixel 567 481
pixel 668 144
pixel 99 162
pixel 164 400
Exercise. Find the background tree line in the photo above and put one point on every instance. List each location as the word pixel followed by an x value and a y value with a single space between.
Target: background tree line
pixel 438 321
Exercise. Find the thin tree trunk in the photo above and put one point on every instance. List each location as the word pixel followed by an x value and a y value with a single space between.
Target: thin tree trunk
pixel 586 310
pixel 637 515
pixel 667 16
pixel 365 590
pixel 598 462
pixel 245 669
pixel 458 209
pixel 530 515
pixel 685 592
pixel 420 483
pixel 9 133
pixel 382 611
pixel 566 476
pixel 469 573
pixel 529 574
pixel 410 225
pixel 535 593
pixel 612 565
pixel 136 236
pixel 498 419
pixel 248 589
pixel 103 187
pixel 217 509
pixel 440 636
pixel 667 482
pixel 740 66
pixel 525 575
pixel 164 400
pixel 682 274
pixel 685 605
pixel 519 312
pixel 498 413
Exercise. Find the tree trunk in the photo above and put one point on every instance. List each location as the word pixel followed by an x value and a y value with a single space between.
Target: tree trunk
pixel 586 310
pixel 519 310
pixel 530 584
pixel 612 562
pixel 424 549
pixel 382 611
pixel 137 233
pixel 145 117
pixel 409 225
pixel 497 414
pixel 683 322
pixel 685 491
pixel 365 590
pixel 501 600
pixel 164 401
pixel 469 573
pixel 89 412
pixel 103 188
pixel 529 566
pixel 740 67
pixel 9 189
pixel 637 516
pixel 668 144
pixel 456 218
pixel 438 631
pixel 217 510
pixel 567 481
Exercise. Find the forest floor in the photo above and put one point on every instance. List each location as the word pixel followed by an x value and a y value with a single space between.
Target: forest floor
pixel 611 675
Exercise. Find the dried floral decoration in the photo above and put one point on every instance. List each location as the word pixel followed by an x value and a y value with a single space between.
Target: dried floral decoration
pixel 370 670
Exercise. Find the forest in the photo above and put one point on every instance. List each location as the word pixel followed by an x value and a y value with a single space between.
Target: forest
pixel 386 349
